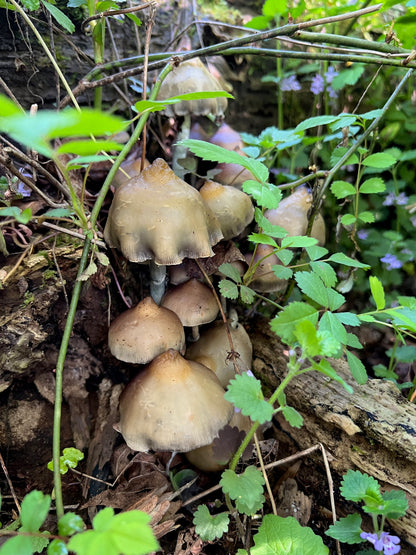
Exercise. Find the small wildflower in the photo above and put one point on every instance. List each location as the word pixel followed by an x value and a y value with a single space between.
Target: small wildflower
pixel 250 373
pixel 401 199
pixel 290 84
pixel 391 261
pixel 362 234
pixel 331 92
pixel 318 84
pixel 330 74
pixel 385 543
pixel 398 200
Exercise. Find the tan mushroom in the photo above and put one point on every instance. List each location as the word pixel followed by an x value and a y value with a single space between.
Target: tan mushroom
pixel 232 174
pixel 127 170
pixel 156 216
pixel 292 215
pixel 143 332
pixel 194 303
pixel 213 349
pixel 264 279
pixel 233 208
pixel 172 405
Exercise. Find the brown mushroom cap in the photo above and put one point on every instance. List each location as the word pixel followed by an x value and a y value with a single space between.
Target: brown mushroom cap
pixel 188 77
pixel 232 174
pixel 292 215
pixel 265 280
pixel 131 167
pixel 141 333
pixel 193 302
pixel 173 405
pixel 158 216
pixel 212 350
pixel 232 208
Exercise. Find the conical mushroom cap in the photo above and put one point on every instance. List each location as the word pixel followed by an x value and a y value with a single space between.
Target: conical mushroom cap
pixel 192 76
pixel 265 280
pixel 292 215
pixel 158 216
pixel 141 333
pixel 232 208
pixel 173 405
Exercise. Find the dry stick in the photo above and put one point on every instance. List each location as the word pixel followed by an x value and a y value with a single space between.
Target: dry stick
pixel 10 94
pixel 58 269
pixel 109 13
pixel 331 491
pixel 263 471
pixel 146 63
pixel 10 483
pixel 71 232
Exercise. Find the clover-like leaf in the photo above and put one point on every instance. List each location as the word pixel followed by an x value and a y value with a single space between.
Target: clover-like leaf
pixel 246 489
pixel 209 527
pixel 228 289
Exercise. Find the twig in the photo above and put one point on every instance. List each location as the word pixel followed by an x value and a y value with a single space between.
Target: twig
pixel 109 13
pixel 331 490
pixel 263 471
pixel 10 484
pixel 71 232
pixel 149 27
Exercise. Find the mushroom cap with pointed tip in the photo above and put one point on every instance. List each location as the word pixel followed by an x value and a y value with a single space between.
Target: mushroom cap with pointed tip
pixel 173 405
pixel 158 216
pixel 143 332
pixel 131 167
pixel 232 208
pixel 188 77
pixel 193 302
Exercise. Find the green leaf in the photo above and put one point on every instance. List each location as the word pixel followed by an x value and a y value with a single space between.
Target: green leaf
pixel 70 524
pixel 58 213
pixel 284 324
pixel 404 318
pixel 35 509
pixel 342 189
pixel 247 295
pixel 230 271
pixel 312 285
pixel 246 489
pixel 338 153
pixel 357 486
pixel 347 318
pixel 83 161
pixel 128 533
pixel 348 76
pixel 305 333
pixel 8 107
pixel 325 272
pixel 293 417
pixel 18 545
pixel 372 114
pixel 366 217
pixel 380 160
pixel 373 185
pixel 90 270
pixel 210 527
pixel 377 291
pixel 357 368
pixel 315 122
pixel 39 543
pixel 285 536
pixel 244 391
pixel 298 241
pixel 395 504
pixel 273 230
pixel 366 318
pixel 330 323
pixel 57 547
pixel 21 216
pixel 31 5
pixel 285 256
pixel 69 459
pixel 158 105
pixel 324 367
pixel 315 252
pixel 266 195
pixel 87 147
pixel 228 289
pixel 60 17
pixel 329 345
pixel 346 530
pixel 261 238
pixel 341 258
pixel 282 272
pixel 353 341
pixel 348 219
pixel 214 153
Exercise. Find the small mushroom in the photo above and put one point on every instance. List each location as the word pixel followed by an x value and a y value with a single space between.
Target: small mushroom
pixel 143 332
pixel 194 303
pixel 172 405
pixel 292 215
pixel 233 208
pixel 228 138
pixel 156 216
pixel 127 170
pixel 264 279
pixel 213 349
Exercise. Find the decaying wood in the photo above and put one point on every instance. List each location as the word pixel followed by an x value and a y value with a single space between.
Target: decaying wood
pixel 372 430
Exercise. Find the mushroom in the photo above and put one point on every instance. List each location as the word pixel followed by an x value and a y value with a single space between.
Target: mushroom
pixel 156 216
pixel 233 208
pixel 172 405
pixel 145 331
pixel 127 170
pixel 228 138
pixel 213 349
pixel 232 174
pixel 292 215
pixel 264 279
pixel 188 77
pixel 194 303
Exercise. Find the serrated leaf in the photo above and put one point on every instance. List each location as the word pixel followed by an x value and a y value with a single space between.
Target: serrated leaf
pixel 90 270
pixel 244 391
pixel 247 295
pixel 59 16
pixel 34 510
pixel 246 489
pixel 329 345
pixel 285 536
pixel 372 114
pixel 395 504
pixel 298 242
pixel 324 367
pixel 230 271
pixel 315 252
pixel 338 153
pixel 312 285
pixel 285 256
pixel 228 289
pixel 70 524
pixel 380 160
pixel 102 258
pixel 263 239
pixel 285 322
pixel 348 219
pixel 214 153
pixel 273 230
pixel 330 323
pixel 210 527
pixel 346 530
pixel 357 368
pixel 69 459
pixel 265 194
pixel 366 217
pixel 373 185
pixel 377 290
pixel 39 543
pixel 315 121
pixel 347 318
pixel 353 341
pixel 325 272
pixel 293 417
pixel 58 213
pixel 366 318
pixel 342 189
pixel 342 258
pixel 356 486
pixel 305 333
pixel 281 272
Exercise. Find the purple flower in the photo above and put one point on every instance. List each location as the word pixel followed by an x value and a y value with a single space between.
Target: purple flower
pixel 331 92
pixel 392 198
pixel 290 84
pixel 330 74
pixel 362 234
pixel 385 543
pixel 318 84
pixel 401 199
pixel 391 261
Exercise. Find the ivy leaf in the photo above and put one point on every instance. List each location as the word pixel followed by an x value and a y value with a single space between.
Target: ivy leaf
pixel 342 258
pixel 356 486
pixel 342 189
pixel 34 510
pixel 210 527
pixel 380 160
pixel 357 368
pixel 278 536
pixel 246 489
pixel 230 271
pixel 244 391
pixel 373 185
pixel 395 504
pixel 265 194
pixel 228 289
pixel 247 294
pixel 377 291
pixel 285 322
pixel 293 417
pixel 346 530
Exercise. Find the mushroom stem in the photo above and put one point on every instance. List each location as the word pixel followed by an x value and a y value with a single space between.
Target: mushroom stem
pixel 180 151
pixel 157 281
pixel 195 333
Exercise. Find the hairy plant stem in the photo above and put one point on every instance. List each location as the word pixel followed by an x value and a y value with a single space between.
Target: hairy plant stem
pixel 56 449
